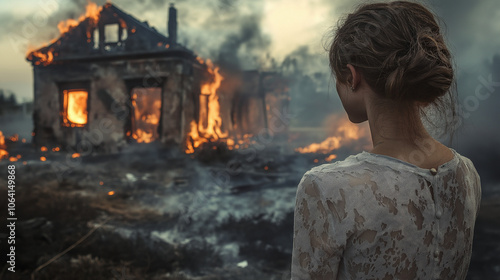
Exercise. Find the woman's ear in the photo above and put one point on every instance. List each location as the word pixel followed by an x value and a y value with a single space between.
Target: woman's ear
pixel 354 78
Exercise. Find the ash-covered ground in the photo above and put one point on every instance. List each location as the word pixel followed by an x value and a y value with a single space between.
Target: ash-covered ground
pixel 156 213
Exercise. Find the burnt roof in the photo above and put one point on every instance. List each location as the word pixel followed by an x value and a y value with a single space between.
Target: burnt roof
pixel 135 39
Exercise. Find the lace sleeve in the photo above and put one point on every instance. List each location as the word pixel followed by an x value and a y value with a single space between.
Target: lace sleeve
pixel 476 182
pixel 316 249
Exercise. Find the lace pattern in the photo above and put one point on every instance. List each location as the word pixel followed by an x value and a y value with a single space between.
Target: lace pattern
pixel 375 217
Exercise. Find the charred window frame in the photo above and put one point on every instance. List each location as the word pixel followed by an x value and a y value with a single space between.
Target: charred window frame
pixel 65 90
pixel 152 82
pixel 110 35
pixel 201 103
pixel 194 96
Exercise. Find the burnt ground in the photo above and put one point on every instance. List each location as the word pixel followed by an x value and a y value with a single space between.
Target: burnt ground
pixel 160 222
pixel 217 215
pixel 485 263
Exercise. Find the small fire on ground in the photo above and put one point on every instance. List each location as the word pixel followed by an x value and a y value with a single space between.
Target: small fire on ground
pixel 343 133
pixel 3 152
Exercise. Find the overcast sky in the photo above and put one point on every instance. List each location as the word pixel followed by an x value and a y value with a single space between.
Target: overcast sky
pixel 203 26
pixel 271 29
pixel 472 27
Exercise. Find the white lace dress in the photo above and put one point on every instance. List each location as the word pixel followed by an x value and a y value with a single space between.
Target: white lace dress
pixel 376 217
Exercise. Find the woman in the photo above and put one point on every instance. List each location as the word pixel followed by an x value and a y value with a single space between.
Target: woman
pixel 405 210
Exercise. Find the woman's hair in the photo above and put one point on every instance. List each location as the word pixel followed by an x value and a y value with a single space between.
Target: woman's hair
pixel 400 52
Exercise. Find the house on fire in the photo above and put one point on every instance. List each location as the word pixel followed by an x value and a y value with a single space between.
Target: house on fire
pixel 111 80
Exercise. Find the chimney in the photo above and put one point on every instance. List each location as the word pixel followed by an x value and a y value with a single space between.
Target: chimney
pixel 172 24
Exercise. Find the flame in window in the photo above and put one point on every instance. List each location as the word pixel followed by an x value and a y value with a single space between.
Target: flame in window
pixel 75 107
pixel 146 103
pixel 208 128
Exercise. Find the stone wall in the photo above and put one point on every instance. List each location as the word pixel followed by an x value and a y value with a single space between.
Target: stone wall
pixel 109 85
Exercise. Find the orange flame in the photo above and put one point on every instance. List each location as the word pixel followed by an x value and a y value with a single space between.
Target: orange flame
pixel 194 139
pixel 123 24
pixel 14 138
pixel 43 58
pixel 75 155
pixel 43 158
pixel 65 25
pixel 146 103
pixel 345 133
pixel 2 139
pixel 241 142
pixel 92 12
pixel 143 136
pixel 209 124
pixel 213 128
pixel 331 157
pixel 3 153
pixel 329 144
pixel 111 192
pixel 75 108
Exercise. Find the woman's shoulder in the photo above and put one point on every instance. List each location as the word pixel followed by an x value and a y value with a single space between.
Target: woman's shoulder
pixel 336 173
pixel 349 164
pixel 467 163
pixel 368 162
pixel 365 167
pixel 354 165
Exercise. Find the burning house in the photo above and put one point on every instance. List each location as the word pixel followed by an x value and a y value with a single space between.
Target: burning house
pixel 110 79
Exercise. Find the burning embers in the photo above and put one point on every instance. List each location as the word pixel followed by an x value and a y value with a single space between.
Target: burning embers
pixel 75 108
pixel 146 104
pixel 42 58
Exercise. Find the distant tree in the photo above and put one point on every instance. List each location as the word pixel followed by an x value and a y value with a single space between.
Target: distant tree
pixel 2 97
pixel 12 99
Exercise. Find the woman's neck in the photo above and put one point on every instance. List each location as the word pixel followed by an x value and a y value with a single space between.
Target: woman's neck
pixel 394 136
pixel 389 123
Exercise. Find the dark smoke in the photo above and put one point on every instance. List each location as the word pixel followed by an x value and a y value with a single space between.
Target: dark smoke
pixel 243 50
pixel 312 89
pixel 37 29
